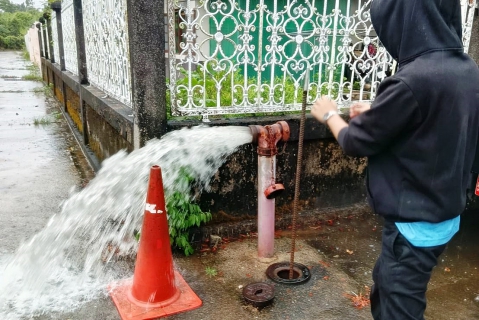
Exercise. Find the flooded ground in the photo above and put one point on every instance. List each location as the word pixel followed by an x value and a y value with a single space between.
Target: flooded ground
pixel 454 287
pixel 36 153
pixel 345 249
pixel 40 162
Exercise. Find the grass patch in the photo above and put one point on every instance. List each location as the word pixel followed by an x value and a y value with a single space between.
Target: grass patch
pixel 26 55
pixel 42 121
pixel 45 90
pixel 34 74
pixel 4 76
pixel 57 115
pixel 211 272
pixel 48 119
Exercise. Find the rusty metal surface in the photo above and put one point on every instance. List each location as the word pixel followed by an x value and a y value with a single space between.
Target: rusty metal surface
pixel 274 190
pixel 258 294
pixel 279 273
pixel 298 176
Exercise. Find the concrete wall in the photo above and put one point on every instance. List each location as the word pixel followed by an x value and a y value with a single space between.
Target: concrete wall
pixel 106 126
pixel 104 139
pixel 330 179
pixel 33 45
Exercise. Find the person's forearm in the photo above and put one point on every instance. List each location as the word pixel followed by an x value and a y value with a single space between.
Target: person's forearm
pixel 335 124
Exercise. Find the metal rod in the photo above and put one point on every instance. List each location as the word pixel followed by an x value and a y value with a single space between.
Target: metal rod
pixel 298 171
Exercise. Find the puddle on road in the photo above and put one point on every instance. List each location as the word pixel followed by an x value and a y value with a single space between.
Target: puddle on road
pixel 353 245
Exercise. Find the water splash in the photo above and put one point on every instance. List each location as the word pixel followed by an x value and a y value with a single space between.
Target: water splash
pixel 70 261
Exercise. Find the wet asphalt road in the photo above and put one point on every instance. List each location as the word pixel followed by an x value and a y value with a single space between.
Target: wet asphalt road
pixel 33 158
pixel 39 164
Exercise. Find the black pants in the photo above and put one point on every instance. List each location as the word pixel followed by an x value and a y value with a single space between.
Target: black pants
pixel 400 276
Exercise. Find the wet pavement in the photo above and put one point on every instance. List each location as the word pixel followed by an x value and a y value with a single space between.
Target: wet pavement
pixel 40 163
pixel 36 153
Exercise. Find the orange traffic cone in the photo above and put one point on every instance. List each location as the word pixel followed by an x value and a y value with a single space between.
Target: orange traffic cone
pixel 156 290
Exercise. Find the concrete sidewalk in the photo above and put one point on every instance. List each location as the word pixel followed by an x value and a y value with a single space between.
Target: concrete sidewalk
pixel 40 163
pixel 39 159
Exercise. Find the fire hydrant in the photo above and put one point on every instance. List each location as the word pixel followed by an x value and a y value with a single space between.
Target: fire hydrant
pixel 267 138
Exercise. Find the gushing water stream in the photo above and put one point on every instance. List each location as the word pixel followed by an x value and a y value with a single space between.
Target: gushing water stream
pixel 67 263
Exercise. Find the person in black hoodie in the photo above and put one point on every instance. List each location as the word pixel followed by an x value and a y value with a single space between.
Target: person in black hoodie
pixel 420 136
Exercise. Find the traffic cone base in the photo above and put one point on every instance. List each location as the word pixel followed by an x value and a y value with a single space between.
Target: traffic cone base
pixel 131 309
pixel 149 305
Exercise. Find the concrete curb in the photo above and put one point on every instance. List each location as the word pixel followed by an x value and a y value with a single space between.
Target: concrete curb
pixel 92 159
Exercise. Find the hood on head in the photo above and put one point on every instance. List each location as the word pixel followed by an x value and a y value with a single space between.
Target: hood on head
pixel 409 28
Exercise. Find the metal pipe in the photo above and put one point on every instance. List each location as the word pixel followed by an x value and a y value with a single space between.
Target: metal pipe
pixel 266 208
pixel 267 138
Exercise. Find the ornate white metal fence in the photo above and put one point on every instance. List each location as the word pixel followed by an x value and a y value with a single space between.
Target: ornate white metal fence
pixel 242 56
pixel 47 39
pixel 106 46
pixel 261 52
pixel 69 38
pixel 56 48
pixel 468 7
pixel 42 41
pixel 232 57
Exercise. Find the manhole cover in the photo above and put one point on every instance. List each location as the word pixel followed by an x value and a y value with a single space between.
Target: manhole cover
pixel 279 273
pixel 258 294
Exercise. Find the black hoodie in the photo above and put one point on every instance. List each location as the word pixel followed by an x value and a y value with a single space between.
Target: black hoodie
pixel 421 132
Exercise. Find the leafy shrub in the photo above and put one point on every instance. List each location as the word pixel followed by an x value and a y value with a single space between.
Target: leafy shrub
pixel 12 42
pixel 14 23
pixel 183 214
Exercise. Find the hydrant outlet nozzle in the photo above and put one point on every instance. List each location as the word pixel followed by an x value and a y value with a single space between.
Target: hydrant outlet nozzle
pixel 268 136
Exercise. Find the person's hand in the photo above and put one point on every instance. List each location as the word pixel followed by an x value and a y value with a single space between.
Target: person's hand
pixel 358 108
pixel 322 106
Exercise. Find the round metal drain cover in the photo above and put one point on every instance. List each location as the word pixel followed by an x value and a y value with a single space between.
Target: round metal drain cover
pixel 258 294
pixel 279 273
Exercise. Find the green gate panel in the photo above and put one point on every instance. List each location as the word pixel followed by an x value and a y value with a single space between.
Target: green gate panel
pixel 227 26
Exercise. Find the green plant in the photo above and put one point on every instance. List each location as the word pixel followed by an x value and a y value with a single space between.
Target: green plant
pixel 211 272
pixel 26 54
pixel 57 115
pixel 45 90
pixel 183 214
pixel 33 74
pixel 136 234
pixel 15 20
pixel 12 42
pixel 199 80
pixel 42 121
pixel 39 89
pixel 49 118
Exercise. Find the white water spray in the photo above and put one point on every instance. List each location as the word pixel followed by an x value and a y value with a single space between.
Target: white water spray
pixel 67 263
